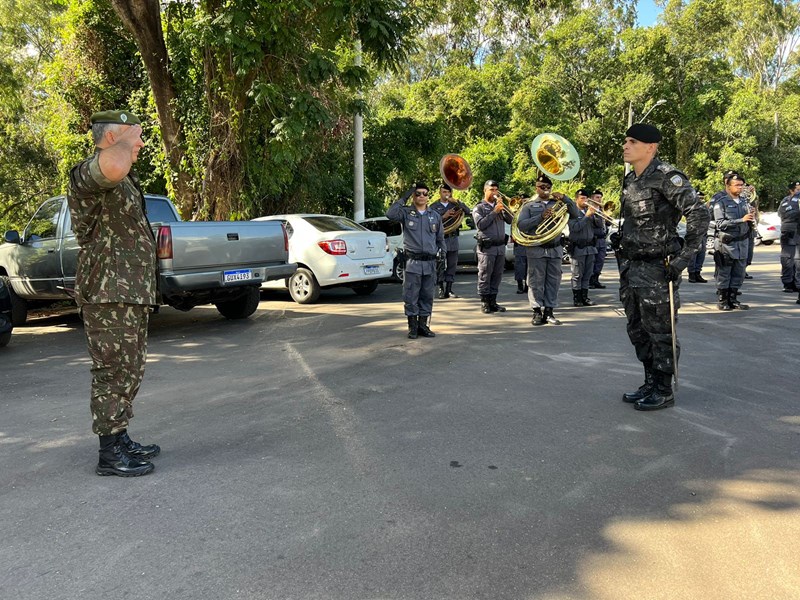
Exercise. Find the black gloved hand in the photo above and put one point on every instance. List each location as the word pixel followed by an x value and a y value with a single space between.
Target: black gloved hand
pixel 675 268
pixel 407 194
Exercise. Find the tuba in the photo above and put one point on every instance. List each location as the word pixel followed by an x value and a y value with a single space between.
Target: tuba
pixel 456 173
pixel 559 160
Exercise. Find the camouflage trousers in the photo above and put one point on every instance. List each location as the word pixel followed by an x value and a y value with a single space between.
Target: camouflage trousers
pixel 116 335
pixel 648 312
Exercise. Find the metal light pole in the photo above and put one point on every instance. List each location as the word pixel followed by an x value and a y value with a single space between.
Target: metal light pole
pixel 644 116
pixel 358 154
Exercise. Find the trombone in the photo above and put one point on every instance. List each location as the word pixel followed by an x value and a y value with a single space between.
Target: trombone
pixel 598 211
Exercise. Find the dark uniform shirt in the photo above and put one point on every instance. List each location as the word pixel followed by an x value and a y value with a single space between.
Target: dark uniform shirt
pixel 789 212
pixel 117 258
pixel 422 232
pixel 491 226
pixel 652 206
pixel 733 233
pixel 441 208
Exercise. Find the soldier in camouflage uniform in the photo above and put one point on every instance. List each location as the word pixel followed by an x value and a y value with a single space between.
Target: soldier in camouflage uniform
pixel 115 285
pixel 654 197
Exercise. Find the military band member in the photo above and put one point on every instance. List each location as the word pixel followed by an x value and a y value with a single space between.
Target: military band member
pixel 423 239
pixel 115 284
pixel 581 247
pixel 600 232
pixel 490 219
pixel 733 217
pixel 521 260
pixel 696 264
pixel 749 194
pixel 544 260
pixel 789 212
pixel 448 209
pixel 655 195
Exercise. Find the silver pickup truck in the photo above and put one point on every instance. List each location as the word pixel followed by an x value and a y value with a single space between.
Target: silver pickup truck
pixel 222 263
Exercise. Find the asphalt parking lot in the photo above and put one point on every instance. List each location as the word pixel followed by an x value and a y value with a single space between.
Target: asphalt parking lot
pixel 314 452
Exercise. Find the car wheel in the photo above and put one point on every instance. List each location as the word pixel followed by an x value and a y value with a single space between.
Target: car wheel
pixel 768 242
pixel 19 307
pixel 243 306
pixel 303 287
pixel 365 289
pixel 4 339
pixel 400 272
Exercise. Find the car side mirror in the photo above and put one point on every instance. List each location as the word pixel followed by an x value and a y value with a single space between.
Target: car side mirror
pixel 12 237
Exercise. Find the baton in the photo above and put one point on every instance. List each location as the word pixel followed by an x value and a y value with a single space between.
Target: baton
pixel 672 327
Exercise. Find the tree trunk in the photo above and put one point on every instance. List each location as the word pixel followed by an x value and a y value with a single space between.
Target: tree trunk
pixel 143 19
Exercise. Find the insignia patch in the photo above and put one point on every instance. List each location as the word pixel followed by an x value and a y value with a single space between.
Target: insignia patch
pixel 676 180
pixel 123 117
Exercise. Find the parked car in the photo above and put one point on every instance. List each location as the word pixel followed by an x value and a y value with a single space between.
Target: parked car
pixel 767 233
pixel 331 251
pixel 6 324
pixel 220 263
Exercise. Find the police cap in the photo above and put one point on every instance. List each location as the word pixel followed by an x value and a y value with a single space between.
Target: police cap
pixel 649 134
pixel 597 191
pixel 421 185
pixel 732 176
pixel 581 192
pixel 794 184
pixel 544 179
pixel 119 117
pixel 444 186
pixel 491 183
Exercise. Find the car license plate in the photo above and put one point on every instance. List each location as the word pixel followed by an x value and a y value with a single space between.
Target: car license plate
pixel 240 275
pixel 372 270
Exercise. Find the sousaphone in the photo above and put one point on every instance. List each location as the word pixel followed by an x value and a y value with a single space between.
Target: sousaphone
pixel 456 173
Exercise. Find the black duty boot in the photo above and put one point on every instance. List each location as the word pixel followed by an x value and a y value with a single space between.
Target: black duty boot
pixel 734 301
pixel 549 317
pixel 413 327
pixel 692 277
pixel 440 291
pixel 597 284
pixel 644 390
pixel 538 317
pixel 520 287
pixel 136 450
pixel 485 306
pixel 494 305
pixel 585 298
pixel 448 290
pixel 722 300
pixel 577 298
pixel 662 396
pixel 699 279
pixel 746 276
pixel 424 327
pixel 114 460
pixel 798 299
pixel 592 281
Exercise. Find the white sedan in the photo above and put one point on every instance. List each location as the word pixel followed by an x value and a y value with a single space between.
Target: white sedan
pixel 331 251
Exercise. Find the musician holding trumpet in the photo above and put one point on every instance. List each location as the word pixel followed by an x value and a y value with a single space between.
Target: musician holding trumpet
pixel 490 216
pixel 544 260
pixel 582 247
pixel 450 210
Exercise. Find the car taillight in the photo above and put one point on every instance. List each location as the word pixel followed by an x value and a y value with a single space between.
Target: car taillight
pixel 771 228
pixel 337 247
pixel 164 242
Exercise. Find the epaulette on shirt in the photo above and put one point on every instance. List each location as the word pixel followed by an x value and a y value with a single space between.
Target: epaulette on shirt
pixel 678 179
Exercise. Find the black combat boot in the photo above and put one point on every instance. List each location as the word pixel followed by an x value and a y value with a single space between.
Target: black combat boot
pixel 549 317
pixel 413 327
pixel 114 460
pixel 662 396
pixel 448 290
pixel 538 317
pixel 495 307
pixel 440 291
pixel 699 279
pixel 136 450
pixel 798 299
pixel 597 284
pixel 644 390
pixel 424 327
pixel 485 306
pixel 692 277
pixel 520 287
pixel 577 298
pixel 585 297
pixel 722 300
pixel 592 281
pixel 734 301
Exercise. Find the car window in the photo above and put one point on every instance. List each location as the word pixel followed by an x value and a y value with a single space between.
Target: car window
pixel 44 223
pixel 467 223
pixel 388 227
pixel 159 211
pixel 331 223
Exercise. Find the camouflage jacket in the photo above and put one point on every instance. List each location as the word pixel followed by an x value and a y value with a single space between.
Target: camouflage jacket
pixel 117 259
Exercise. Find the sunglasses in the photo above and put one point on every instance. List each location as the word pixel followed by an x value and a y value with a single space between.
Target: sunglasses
pixel 543 187
pixel 420 193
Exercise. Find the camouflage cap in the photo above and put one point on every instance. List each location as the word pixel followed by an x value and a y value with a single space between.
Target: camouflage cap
pixel 120 117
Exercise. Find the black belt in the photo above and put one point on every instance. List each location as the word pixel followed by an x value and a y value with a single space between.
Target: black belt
pixel 490 243
pixel 583 244
pixel 420 256
pixel 449 235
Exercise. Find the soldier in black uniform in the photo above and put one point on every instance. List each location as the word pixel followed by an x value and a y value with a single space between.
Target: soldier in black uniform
pixel 448 208
pixel 490 218
pixel 423 239
pixel 654 197
pixel 733 218
pixel 789 211
pixel 600 232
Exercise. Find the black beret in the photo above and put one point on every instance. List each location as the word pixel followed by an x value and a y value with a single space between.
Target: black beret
pixel 120 117
pixel 421 185
pixel 444 186
pixel 544 179
pixel 597 192
pixel 581 192
pixel 649 134
pixel 491 183
pixel 732 176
